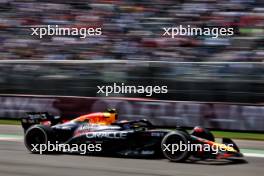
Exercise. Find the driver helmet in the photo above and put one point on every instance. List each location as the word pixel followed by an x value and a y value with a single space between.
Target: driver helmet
pixel 111 115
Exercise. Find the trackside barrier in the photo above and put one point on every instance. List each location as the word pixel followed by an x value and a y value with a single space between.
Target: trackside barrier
pixel 227 116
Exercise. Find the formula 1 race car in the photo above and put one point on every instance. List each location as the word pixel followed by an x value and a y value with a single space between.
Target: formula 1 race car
pixel 138 138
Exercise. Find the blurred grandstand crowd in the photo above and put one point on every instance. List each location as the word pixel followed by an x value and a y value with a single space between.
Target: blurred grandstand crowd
pixel 132 29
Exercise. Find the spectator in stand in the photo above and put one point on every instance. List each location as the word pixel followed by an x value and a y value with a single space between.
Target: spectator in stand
pixel 132 30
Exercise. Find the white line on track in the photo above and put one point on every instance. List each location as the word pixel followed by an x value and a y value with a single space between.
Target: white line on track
pixel 258 155
pixel 12 139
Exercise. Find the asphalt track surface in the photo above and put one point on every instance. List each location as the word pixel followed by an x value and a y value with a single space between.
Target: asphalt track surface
pixel 15 160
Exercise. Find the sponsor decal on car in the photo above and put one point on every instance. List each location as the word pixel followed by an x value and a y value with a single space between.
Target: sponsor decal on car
pixel 83 129
pixel 110 135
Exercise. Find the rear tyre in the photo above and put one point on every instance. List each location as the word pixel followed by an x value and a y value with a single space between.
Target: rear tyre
pixel 175 138
pixel 36 136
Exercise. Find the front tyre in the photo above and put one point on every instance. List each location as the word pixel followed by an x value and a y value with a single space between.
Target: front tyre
pixel 170 143
pixel 37 137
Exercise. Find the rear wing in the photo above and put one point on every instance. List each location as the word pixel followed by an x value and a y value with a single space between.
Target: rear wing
pixel 33 118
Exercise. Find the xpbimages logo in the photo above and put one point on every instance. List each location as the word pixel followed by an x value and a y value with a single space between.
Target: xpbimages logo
pixel 128 89
pixel 214 149
pixel 181 30
pixel 51 30
pixel 71 148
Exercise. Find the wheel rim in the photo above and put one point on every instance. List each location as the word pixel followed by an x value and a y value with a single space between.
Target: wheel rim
pixel 35 136
pixel 174 139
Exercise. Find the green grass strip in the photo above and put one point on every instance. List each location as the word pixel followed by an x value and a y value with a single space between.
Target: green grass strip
pixel 239 135
pixel 10 122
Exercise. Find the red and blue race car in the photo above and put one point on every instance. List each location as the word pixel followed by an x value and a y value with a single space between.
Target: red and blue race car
pixel 138 138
